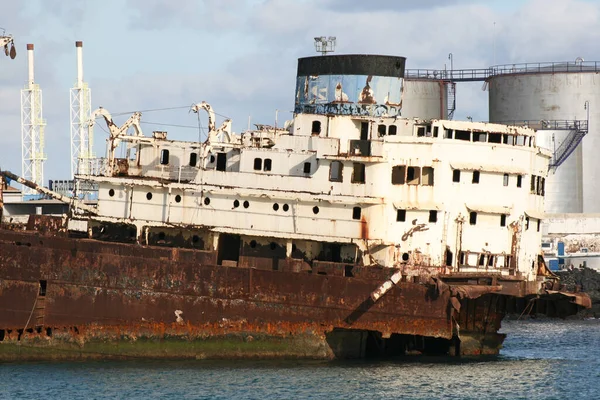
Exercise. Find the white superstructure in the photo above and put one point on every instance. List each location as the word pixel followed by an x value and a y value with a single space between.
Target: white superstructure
pixel 430 197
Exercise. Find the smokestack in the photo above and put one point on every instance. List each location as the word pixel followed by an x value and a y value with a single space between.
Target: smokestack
pixel 30 63
pixel 79 47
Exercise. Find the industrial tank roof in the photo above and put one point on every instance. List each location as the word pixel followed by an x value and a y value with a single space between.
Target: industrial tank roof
pixel 352 64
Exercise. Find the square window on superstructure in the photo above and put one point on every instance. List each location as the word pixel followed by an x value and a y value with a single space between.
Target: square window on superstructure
pixel 164 157
pixel 193 159
pixel 257 164
pixel 267 164
pixel 316 127
pixel 358 173
pixel 433 216
pixel 399 175
pixel 392 130
pixel 221 161
pixel 381 129
pixel 495 138
pixel 427 176
pixel 532 185
pixel 473 218
pixel 413 175
pixel 448 133
pixel 503 220
pixel 505 180
pixel 335 171
pixel 519 179
pixel 462 135
pixel 400 215
pixel 479 137
pixel 456 175
pixel 475 177
pixel 356 212
pixel 307 168
pixel 436 130
pixel 420 131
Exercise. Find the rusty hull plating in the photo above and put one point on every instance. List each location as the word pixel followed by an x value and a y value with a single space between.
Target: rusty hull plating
pixel 67 298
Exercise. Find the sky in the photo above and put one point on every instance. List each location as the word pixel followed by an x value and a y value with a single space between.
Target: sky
pixel 240 55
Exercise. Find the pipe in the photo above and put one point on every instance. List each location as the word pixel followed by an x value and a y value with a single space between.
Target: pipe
pixel 30 80
pixel 79 47
pixel 40 189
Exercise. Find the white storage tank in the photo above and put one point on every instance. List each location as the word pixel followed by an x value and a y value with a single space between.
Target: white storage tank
pixel 425 98
pixel 556 92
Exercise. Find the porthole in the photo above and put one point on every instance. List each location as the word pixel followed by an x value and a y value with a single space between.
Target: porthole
pixel 253 244
pixel 178 199
pixel 111 192
pixel 236 203
pixel 275 207
pixel 405 257
pixel 149 196
pixel 315 210
pixel 206 201
pixel 246 204
pixel 286 207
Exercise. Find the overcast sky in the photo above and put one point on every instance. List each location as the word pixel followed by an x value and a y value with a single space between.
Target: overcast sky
pixel 240 56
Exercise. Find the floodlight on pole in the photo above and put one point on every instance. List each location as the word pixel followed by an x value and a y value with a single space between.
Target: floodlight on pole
pixel 324 44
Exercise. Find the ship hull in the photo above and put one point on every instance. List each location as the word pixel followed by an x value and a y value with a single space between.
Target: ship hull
pixel 72 298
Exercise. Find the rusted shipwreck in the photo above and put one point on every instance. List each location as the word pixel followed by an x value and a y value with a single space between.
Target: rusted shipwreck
pixel 349 232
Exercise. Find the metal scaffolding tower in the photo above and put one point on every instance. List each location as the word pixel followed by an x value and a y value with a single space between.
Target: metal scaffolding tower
pixel 32 130
pixel 81 133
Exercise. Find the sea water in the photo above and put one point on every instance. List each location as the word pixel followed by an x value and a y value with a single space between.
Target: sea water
pixel 548 359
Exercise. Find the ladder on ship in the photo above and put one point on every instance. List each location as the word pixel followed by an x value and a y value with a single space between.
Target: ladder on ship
pixel 577 131
pixel 451 99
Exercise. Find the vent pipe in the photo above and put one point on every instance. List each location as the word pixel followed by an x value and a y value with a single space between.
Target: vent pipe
pixel 30 63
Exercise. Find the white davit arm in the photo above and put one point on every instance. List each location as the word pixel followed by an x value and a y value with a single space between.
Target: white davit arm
pixel 5 40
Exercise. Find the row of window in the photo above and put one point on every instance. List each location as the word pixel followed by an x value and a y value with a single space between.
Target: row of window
pixel 456 173
pixel 538 185
pixel 401 217
pixel 336 169
pixel 401 174
pixel 474 259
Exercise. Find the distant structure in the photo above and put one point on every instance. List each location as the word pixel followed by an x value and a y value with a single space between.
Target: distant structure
pixel 563 97
pixel 81 134
pixel 32 130
pixel 325 45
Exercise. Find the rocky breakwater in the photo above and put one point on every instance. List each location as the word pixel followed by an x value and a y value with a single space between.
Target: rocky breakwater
pixel 586 280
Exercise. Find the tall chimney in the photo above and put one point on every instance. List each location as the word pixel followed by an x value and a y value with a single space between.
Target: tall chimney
pixel 30 63
pixel 79 46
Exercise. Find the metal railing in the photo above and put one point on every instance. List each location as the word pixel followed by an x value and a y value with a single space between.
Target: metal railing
pixel 550 125
pixel 482 74
pixel 457 75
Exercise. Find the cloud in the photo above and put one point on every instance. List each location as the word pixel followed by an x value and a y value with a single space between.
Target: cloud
pixel 241 56
pixel 349 6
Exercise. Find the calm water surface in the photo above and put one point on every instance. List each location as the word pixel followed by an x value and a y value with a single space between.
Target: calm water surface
pixel 540 360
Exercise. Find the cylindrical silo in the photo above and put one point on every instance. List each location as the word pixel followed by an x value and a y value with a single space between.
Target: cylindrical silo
pixel 555 92
pixel 425 98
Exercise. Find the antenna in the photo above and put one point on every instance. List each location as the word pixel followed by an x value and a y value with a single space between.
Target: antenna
pixel 81 110
pixel 32 130
pixel 325 45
